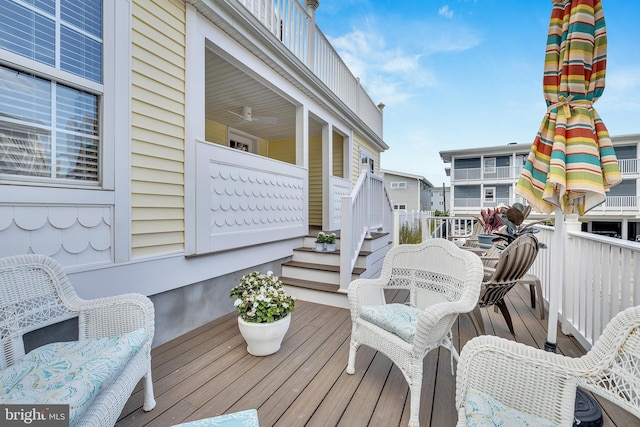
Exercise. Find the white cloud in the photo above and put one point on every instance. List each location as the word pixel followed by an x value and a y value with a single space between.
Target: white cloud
pixel 445 11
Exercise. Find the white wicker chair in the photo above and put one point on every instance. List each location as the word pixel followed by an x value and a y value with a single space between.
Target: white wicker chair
pixel 543 384
pixel 443 281
pixel 35 292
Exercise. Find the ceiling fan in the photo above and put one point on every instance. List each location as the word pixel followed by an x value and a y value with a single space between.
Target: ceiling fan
pixel 247 116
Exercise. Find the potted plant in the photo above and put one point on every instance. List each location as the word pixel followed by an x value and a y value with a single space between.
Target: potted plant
pixel 491 222
pixel 513 218
pixel 321 240
pixel 330 241
pixel 265 311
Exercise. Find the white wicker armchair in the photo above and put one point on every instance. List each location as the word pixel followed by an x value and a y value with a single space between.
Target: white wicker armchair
pixel 35 292
pixel 543 384
pixel 443 281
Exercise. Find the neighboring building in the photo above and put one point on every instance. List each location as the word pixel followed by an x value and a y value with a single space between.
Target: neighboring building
pixel 168 147
pixel 440 197
pixel 407 191
pixel 485 177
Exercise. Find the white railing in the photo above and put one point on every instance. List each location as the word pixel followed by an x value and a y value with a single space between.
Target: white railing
pixel 466 174
pixel 628 166
pixel 601 274
pixel 338 188
pixel 289 22
pixel 479 174
pixel 365 210
pixel 243 199
pixel 431 226
pixel 500 172
pixel 617 204
pixel 601 280
pixel 477 203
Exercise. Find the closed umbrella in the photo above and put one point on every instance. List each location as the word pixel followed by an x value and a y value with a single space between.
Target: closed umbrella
pixel 572 161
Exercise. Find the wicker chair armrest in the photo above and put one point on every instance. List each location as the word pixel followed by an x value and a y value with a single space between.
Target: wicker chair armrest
pixel 530 380
pixel 116 315
pixel 365 292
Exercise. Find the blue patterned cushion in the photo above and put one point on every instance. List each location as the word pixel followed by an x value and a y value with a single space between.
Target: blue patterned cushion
pixel 248 418
pixel 483 410
pixel 70 373
pixel 398 319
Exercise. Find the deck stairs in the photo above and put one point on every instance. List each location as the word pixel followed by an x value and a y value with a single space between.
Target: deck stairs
pixel 315 276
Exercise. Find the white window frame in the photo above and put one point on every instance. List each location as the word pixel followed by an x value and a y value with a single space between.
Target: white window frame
pixel 114 122
pixel 367 157
pixel 489 165
pixel 399 185
pixel 491 190
pixel 400 207
pixel 242 141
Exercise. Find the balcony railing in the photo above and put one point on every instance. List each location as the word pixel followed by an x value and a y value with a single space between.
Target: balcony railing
pixel 289 22
pixel 479 174
pixel 628 167
pixel 599 275
pixel 612 204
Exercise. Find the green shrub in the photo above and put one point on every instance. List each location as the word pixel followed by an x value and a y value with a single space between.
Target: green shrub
pixel 411 234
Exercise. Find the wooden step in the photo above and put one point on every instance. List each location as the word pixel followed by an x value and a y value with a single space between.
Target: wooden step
pixel 321 267
pixel 309 284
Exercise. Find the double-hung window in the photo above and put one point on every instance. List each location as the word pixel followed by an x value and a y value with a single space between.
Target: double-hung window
pixel 51 83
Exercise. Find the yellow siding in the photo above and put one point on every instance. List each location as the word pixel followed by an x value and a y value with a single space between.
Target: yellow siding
pixel 215 132
pixel 338 155
pixel 263 147
pixel 285 151
pixel 315 180
pixel 158 122
pixel 358 143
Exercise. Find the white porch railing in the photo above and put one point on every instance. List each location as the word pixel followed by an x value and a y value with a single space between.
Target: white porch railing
pixel 289 22
pixel 338 188
pixel 244 199
pixel 601 275
pixel 366 209
pixel 601 280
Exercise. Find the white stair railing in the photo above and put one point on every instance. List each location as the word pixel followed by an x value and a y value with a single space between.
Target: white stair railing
pixel 367 208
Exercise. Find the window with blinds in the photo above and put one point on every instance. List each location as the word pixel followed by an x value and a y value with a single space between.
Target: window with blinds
pixel 49 129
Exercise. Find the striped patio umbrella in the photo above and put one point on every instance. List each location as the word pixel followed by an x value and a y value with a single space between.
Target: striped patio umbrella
pixel 572 162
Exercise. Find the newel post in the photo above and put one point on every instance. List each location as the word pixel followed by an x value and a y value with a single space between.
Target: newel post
pixel 311 6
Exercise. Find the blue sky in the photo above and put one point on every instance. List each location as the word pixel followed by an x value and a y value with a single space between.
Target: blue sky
pixel 468 73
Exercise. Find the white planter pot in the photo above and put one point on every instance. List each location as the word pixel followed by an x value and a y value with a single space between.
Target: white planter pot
pixel 264 338
pixel 320 247
pixel 331 247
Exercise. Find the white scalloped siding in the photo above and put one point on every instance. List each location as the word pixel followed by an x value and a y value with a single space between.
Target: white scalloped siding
pixel 78 234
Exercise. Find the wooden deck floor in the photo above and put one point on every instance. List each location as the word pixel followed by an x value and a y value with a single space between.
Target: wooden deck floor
pixel 208 372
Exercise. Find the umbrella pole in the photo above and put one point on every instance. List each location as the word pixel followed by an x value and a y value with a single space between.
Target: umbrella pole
pixel 556 281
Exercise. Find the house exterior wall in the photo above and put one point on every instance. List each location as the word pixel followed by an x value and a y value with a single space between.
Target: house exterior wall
pixel 338 155
pixel 315 180
pixel 135 230
pixel 358 145
pixel 158 121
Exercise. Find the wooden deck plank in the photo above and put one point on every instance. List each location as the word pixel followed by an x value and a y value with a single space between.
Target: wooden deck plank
pixel 208 371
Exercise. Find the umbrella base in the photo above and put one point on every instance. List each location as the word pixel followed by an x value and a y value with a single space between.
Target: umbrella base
pixel 587 411
pixel 550 346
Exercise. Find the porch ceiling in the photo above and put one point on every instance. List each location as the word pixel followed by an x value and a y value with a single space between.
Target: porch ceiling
pixel 230 87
